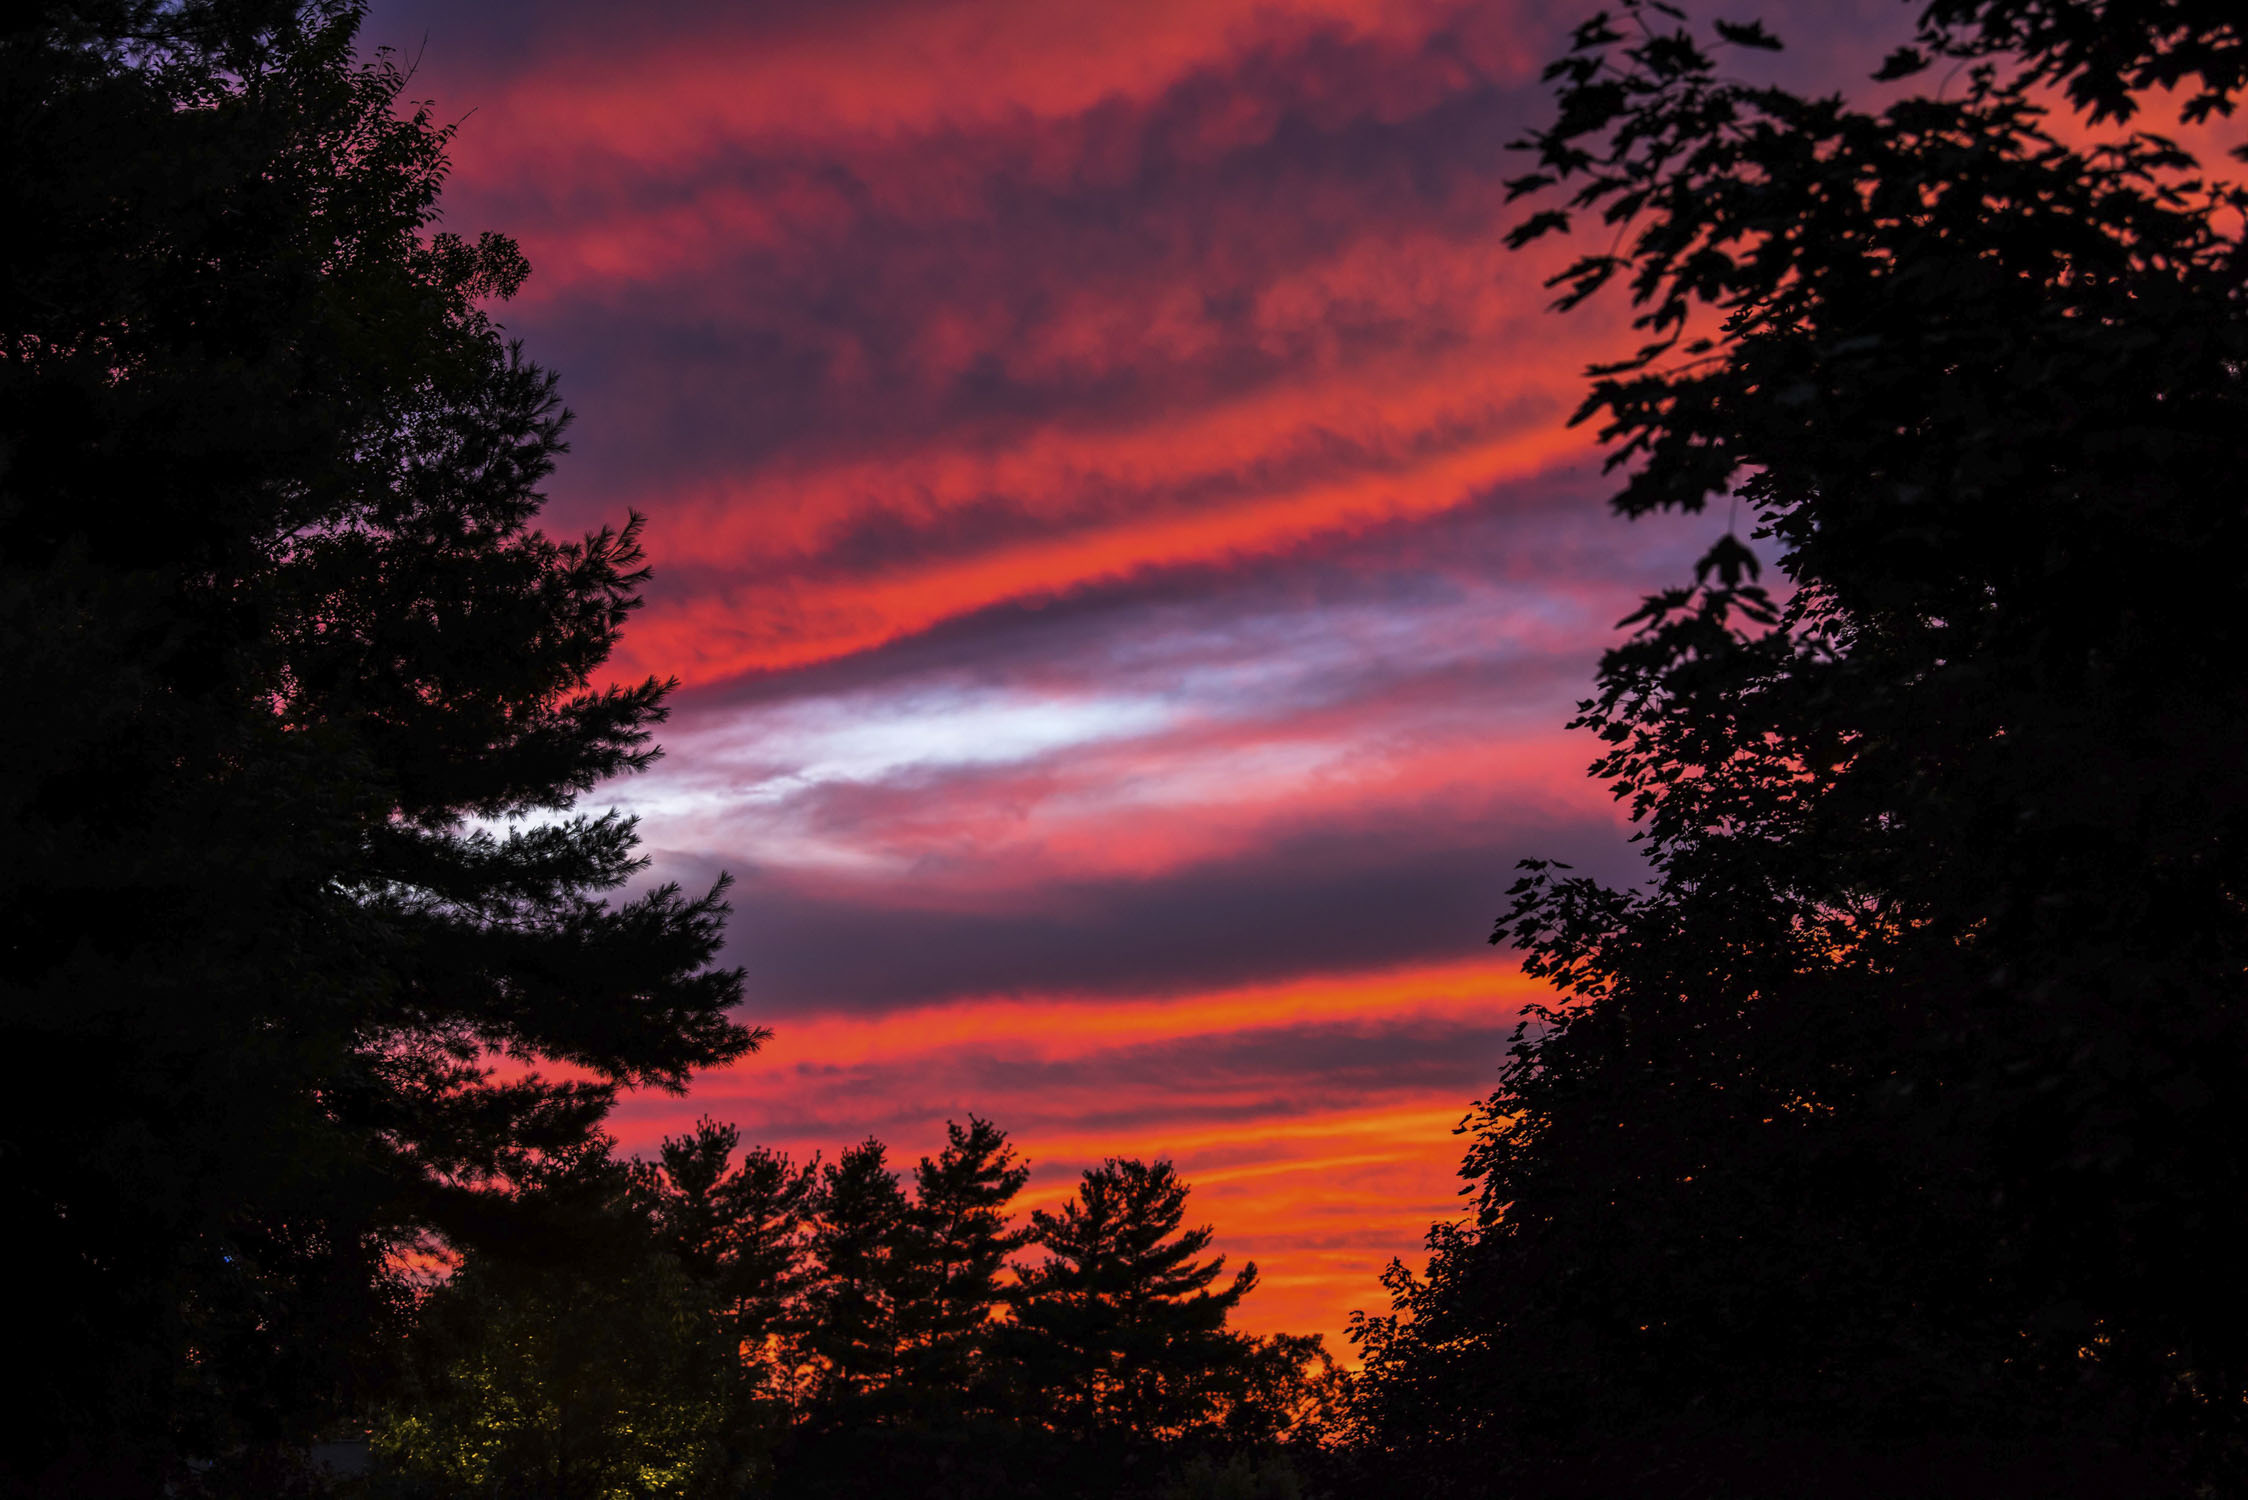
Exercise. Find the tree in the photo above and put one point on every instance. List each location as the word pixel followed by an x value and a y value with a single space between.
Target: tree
pixel 958 1241
pixel 1118 1329
pixel 298 701
pixel 859 1279
pixel 739 1231
pixel 582 1362
pixel 1904 1102
pixel 1285 1390
pixel 883 1350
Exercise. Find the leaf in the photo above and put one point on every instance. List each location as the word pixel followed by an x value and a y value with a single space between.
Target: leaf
pixel 1902 63
pixel 1752 34
pixel 1535 227
pixel 1730 560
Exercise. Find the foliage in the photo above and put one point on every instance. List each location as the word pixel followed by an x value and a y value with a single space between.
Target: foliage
pixel 720 1316
pixel 578 1366
pixel 739 1232
pixel 1904 1101
pixel 862 1275
pixel 958 1240
pixel 1239 1477
pixel 1117 1329
pixel 283 650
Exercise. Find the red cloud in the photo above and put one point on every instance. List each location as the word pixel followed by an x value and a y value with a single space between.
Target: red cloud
pixel 1149 361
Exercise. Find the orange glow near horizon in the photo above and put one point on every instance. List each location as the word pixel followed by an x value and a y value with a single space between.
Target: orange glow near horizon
pixel 1116 524
pixel 1314 1193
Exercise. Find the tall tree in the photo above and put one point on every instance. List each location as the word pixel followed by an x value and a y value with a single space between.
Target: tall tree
pixel 894 1359
pixel 860 1275
pixel 1118 1328
pixel 684 1193
pixel 739 1229
pixel 959 1238
pixel 298 698
pixel 580 1361
pixel 1909 1094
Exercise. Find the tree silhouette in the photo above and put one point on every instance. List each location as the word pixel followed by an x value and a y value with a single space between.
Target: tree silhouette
pixel 717 1318
pixel 1904 1103
pixel 958 1241
pixel 739 1229
pixel 581 1362
pixel 299 701
pixel 862 1276
pixel 1118 1328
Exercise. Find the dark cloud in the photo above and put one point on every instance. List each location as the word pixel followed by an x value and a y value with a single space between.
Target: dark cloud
pixel 1177 1084
pixel 501 38
pixel 1276 1070
pixel 1317 901
pixel 814 340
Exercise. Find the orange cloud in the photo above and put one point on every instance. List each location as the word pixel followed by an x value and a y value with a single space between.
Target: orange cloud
pixel 1322 1181
pixel 646 100
pixel 1395 439
pixel 893 315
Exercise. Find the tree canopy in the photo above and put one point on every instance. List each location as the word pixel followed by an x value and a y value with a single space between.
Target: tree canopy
pixel 1902 1104
pixel 719 1321
pixel 297 916
pixel 1123 1297
pixel 586 1362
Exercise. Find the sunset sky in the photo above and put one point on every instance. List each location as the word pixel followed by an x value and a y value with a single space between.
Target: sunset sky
pixel 1117 531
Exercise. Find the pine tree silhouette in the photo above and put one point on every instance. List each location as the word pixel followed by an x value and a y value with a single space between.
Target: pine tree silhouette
pixel 1117 1329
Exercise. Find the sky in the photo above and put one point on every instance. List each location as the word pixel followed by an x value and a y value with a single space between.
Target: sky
pixel 1118 534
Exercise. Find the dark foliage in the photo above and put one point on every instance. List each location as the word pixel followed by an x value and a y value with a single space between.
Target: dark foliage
pixel 577 1364
pixel 862 1275
pixel 700 1324
pixel 1892 1134
pixel 958 1237
pixel 933 1365
pixel 2107 56
pixel 739 1230
pixel 1118 1329
pixel 282 651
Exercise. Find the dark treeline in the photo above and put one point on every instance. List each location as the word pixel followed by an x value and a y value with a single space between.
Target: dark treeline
pixel 281 647
pixel 718 1321
pixel 1888 1138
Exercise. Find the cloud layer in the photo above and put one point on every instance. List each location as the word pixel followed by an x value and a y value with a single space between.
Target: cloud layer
pixel 1117 526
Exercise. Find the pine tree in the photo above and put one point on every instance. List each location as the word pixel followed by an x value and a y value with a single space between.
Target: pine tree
pixel 1117 1332
pixel 861 1275
pixel 958 1241
pixel 299 702
pixel 768 1203
pixel 683 1191
pixel 739 1229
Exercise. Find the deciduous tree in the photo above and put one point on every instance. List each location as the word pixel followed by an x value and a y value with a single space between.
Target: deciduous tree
pixel 581 1360
pixel 1906 1101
